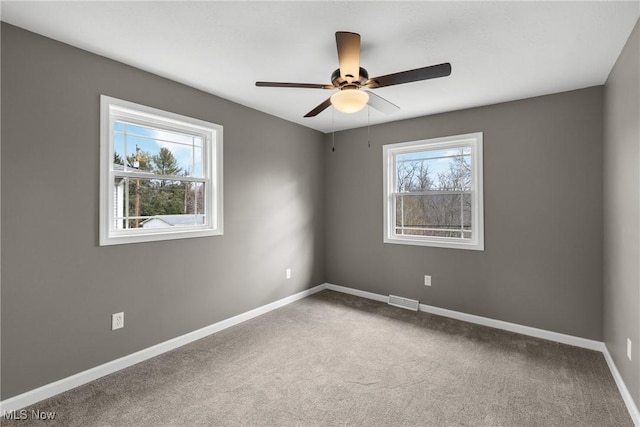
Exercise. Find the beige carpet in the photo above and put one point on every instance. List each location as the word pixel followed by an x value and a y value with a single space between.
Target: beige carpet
pixel 334 359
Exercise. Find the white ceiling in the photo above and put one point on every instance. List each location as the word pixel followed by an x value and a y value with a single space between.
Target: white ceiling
pixel 499 51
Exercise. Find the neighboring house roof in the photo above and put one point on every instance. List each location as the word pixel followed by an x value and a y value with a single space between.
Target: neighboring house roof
pixel 119 167
pixel 173 220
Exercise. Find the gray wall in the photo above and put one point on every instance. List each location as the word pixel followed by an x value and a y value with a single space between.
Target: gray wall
pixel 542 264
pixel 622 213
pixel 59 288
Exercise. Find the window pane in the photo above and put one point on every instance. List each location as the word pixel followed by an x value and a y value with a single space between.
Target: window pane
pixel 444 170
pixel 440 215
pixel 159 151
pixel 152 203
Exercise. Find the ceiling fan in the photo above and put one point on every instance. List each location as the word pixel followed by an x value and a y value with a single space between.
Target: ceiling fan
pixel 351 79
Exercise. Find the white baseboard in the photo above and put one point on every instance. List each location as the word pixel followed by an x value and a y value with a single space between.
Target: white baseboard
pixel 484 321
pixel 49 390
pixel 357 292
pixel 624 391
pixel 514 327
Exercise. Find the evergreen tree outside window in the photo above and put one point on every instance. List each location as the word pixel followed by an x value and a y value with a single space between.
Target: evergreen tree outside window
pixel 161 175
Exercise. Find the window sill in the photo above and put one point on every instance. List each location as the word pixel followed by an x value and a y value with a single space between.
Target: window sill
pixel 435 243
pixel 140 237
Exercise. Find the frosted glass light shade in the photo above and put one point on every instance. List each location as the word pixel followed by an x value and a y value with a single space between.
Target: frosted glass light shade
pixel 349 100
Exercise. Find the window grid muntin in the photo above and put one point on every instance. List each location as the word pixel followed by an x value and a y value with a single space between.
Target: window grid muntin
pixel 134 173
pixel 127 203
pixel 205 137
pixel 463 229
pixel 424 149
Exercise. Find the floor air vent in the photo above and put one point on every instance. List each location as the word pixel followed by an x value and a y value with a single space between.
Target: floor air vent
pixel 409 304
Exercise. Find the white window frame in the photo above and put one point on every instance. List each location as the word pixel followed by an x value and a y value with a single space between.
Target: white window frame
pixel 389 154
pixel 112 109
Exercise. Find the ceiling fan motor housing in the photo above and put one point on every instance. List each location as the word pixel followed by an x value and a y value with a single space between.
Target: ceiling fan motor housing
pixel 341 83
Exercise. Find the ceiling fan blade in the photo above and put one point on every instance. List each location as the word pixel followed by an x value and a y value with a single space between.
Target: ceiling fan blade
pixel 320 108
pixel 425 73
pixel 348 55
pixel 295 85
pixel 381 104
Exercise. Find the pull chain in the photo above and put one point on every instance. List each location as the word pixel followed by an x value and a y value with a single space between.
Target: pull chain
pixel 369 126
pixel 333 129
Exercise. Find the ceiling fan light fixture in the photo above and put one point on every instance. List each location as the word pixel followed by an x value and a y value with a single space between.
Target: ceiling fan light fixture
pixel 349 100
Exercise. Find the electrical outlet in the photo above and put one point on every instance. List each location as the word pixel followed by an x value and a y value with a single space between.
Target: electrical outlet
pixel 427 280
pixel 117 321
pixel 288 273
pixel 629 348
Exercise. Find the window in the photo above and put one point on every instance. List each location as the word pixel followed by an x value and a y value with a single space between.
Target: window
pixel 433 192
pixel 160 175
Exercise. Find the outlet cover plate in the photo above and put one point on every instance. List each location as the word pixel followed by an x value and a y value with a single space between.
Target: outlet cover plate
pixel 117 321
